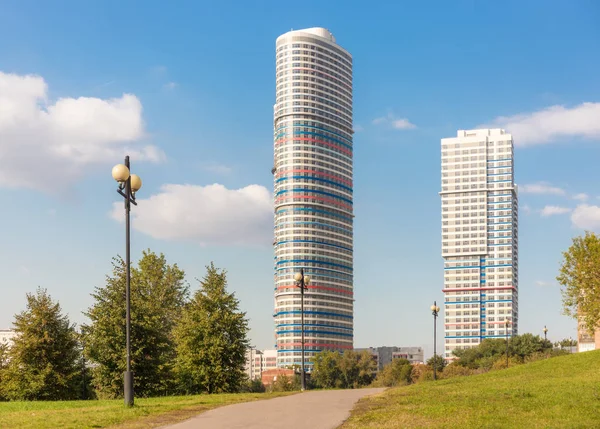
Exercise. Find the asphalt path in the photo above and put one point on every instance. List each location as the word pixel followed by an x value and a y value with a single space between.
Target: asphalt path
pixel 319 409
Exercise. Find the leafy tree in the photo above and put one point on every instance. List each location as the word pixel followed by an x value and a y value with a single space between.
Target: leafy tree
pixel 566 342
pixel 158 294
pixel 326 369
pixel 482 356
pixel 580 279
pixel 285 383
pixel 43 359
pixel 211 339
pixel 253 386
pixel 526 345
pixel 438 361
pixel 396 373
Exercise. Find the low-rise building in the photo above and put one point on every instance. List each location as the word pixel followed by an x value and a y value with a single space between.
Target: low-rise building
pixel 259 361
pixel 384 355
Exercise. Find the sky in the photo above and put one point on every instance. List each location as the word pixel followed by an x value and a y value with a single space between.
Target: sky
pixel 187 90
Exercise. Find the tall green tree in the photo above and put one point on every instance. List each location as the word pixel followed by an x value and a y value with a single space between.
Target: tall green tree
pixel 580 280
pixel 438 361
pixel 158 294
pixel 43 359
pixel 211 339
pixel 326 371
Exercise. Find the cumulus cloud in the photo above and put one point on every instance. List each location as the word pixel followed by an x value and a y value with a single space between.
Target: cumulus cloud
pixel 554 210
pixel 546 125
pixel 207 215
pixel 45 145
pixel 170 85
pixel 396 123
pixel 581 197
pixel 586 217
pixel 541 188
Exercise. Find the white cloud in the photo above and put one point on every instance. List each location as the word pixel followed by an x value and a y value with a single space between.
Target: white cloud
pixel 170 85
pixel 541 188
pixel 581 197
pixel 358 128
pixel 554 122
pixel 554 210
pixel 542 283
pixel 586 217
pixel 46 145
pixel 526 209
pixel 205 215
pixel 396 123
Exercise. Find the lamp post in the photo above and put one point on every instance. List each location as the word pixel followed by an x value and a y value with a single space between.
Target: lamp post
pixel 129 184
pixel 302 282
pixel 506 323
pixel 435 311
pixel 545 333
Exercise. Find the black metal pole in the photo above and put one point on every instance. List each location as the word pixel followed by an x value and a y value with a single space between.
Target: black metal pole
pixel 302 378
pixel 434 342
pixel 128 376
pixel 507 345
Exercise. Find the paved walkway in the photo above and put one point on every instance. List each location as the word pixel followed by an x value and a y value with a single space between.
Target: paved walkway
pixel 323 409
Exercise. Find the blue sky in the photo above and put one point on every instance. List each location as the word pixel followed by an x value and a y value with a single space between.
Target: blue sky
pixel 200 79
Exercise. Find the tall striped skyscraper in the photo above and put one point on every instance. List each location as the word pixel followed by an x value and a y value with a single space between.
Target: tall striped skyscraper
pixel 479 238
pixel 313 194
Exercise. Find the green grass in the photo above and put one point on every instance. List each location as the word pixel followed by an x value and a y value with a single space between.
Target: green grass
pixel 147 412
pixel 562 392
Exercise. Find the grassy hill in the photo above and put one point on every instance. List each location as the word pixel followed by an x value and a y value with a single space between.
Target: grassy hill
pixel 562 392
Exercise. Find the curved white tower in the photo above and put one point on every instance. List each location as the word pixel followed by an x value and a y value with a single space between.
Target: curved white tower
pixel 313 194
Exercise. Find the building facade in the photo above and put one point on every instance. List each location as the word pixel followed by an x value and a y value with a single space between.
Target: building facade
pixel 479 238
pixel 259 361
pixel 313 173
pixel 385 355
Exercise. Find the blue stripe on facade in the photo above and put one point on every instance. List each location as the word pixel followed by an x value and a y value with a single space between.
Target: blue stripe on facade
pixel 310 133
pixel 317 211
pixel 329 194
pixel 324 313
pixel 498 160
pixel 315 242
pixel 499 174
pixel 316 128
pixel 499 166
pixel 281 179
pixel 306 331
pixel 313 223
pixel 499 181
pixel 477 266
pixel 312 261
pixel 314 272
pixel 314 324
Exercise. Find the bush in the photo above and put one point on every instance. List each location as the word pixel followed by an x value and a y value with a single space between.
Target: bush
pixel 285 383
pixel 253 386
pixel 455 370
pixel 396 373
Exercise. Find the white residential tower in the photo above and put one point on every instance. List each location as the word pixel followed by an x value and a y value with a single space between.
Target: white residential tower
pixel 313 194
pixel 479 238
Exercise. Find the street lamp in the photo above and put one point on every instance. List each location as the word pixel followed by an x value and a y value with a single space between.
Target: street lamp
pixel 506 323
pixel 129 184
pixel 545 333
pixel 434 310
pixel 302 282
